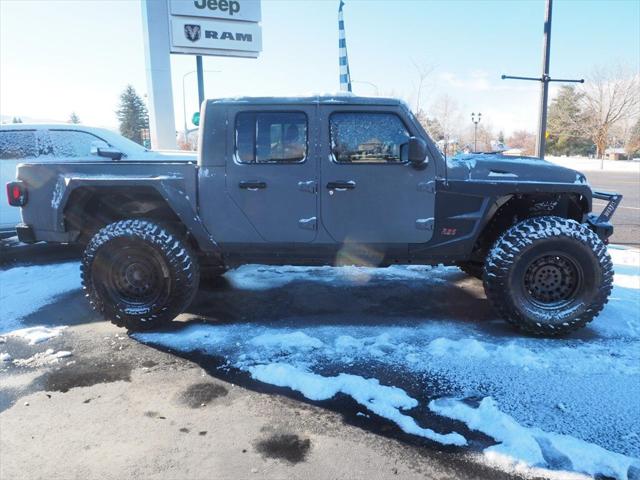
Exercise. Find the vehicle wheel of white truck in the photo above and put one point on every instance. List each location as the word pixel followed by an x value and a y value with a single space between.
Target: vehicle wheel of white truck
pixel 138 274
pixel 548 275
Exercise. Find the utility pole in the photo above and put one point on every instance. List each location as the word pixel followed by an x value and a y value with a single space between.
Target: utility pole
pixel 476 120
pixel 545 79
pixel 200 80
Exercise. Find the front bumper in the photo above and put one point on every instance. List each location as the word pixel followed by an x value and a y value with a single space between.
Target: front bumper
pixel 601 224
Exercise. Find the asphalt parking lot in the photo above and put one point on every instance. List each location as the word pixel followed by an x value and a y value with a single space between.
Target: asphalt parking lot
pixel 148 407
pixel 124 409
pixel 627 218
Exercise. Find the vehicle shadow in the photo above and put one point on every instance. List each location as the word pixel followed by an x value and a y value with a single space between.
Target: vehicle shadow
pixel 393 301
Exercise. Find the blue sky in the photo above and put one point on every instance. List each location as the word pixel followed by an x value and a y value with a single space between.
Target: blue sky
pixel 63 56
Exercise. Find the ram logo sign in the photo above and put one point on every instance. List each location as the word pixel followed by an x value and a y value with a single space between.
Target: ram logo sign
pixel 215 37
pixel 228 28
pixel 192 32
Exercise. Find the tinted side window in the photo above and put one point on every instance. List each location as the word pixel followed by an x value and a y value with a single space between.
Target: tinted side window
pixel 18 144
pixel 72 143
pixel 367 137
pixel 271 137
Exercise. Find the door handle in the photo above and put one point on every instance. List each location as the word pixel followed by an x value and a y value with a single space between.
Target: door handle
pixel 341 185
pixel 252 185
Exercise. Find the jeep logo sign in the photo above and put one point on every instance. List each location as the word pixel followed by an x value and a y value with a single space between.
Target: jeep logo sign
pixel 244 10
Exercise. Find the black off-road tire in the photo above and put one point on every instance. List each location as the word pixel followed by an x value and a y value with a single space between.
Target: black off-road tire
pixel 472 269
pixel 548 275
pixel 138 274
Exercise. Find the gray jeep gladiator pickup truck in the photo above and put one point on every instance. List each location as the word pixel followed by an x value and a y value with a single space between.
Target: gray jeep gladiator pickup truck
pixel 325 180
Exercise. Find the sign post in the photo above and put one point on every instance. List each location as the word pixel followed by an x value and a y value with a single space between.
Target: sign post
pixel 229 28
pixel 162 126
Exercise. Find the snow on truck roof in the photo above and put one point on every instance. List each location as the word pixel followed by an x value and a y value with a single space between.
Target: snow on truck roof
pixel 343 97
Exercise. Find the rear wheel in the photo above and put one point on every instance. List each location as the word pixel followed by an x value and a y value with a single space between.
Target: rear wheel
pixel 548 275
pixel 138 274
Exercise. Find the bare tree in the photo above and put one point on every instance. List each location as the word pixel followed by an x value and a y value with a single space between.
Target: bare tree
pixel 525 141
pixel 446 112
pixel 609 97
pixel 424 70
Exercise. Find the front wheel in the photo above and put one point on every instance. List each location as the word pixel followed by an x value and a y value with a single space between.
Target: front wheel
pixel 138 274
pixel 548 275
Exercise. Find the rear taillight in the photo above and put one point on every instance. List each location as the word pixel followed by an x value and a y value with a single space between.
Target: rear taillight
pixel 17 194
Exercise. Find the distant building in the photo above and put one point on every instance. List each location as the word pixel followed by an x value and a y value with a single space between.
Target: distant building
pixel 514 152
pixel 616 154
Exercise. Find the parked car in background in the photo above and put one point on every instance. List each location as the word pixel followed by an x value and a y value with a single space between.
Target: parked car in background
pixel 57 143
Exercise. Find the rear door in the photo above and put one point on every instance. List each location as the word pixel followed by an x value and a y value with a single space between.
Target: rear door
pixel 369 192
pixel 272 170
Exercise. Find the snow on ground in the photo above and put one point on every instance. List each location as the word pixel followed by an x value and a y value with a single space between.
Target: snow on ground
pixel 568 404
pixel 584 164
pixel 40 359
pixel 523 446
pixel 33 335
pixel 24 290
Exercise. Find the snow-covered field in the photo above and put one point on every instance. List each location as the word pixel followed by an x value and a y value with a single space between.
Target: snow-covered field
pixel 552 406
pixel 584 164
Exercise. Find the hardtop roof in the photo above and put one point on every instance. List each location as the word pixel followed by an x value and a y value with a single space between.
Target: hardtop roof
pixel 325 99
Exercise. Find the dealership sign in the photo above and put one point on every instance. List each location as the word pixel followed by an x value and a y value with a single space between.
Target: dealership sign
pixel 215 27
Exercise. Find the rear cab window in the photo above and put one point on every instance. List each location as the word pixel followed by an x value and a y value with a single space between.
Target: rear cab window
pixel 271 137
pixel 18 145
pixel 368 137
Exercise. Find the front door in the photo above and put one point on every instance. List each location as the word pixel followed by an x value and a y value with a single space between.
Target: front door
pixel 272 173
pixel 369 192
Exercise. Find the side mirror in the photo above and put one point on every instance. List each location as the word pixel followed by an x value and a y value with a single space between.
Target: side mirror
pixel 417 151
pixel 107 152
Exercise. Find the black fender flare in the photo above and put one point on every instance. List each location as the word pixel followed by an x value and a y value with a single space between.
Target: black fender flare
pixel 170 188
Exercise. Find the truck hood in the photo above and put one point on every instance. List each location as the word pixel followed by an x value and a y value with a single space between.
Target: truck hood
pixel 501 168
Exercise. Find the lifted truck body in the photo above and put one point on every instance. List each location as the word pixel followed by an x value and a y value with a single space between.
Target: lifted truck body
pixel 438 218
pixel 379 207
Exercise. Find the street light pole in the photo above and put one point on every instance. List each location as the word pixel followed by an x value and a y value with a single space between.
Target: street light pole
pixel 476 120
pixel 544 79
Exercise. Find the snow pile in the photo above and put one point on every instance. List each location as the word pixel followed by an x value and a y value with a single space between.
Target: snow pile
pixel 379 399
pixel 24 290
pixel 33 335
pixel 286 341
pixel 48 357
pixel 530 446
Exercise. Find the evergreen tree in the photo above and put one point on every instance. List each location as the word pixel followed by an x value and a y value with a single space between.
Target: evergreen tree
pixel 565 137
pixel 132 114
pixel 74 118
pixel 16 120
pixel 501 137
